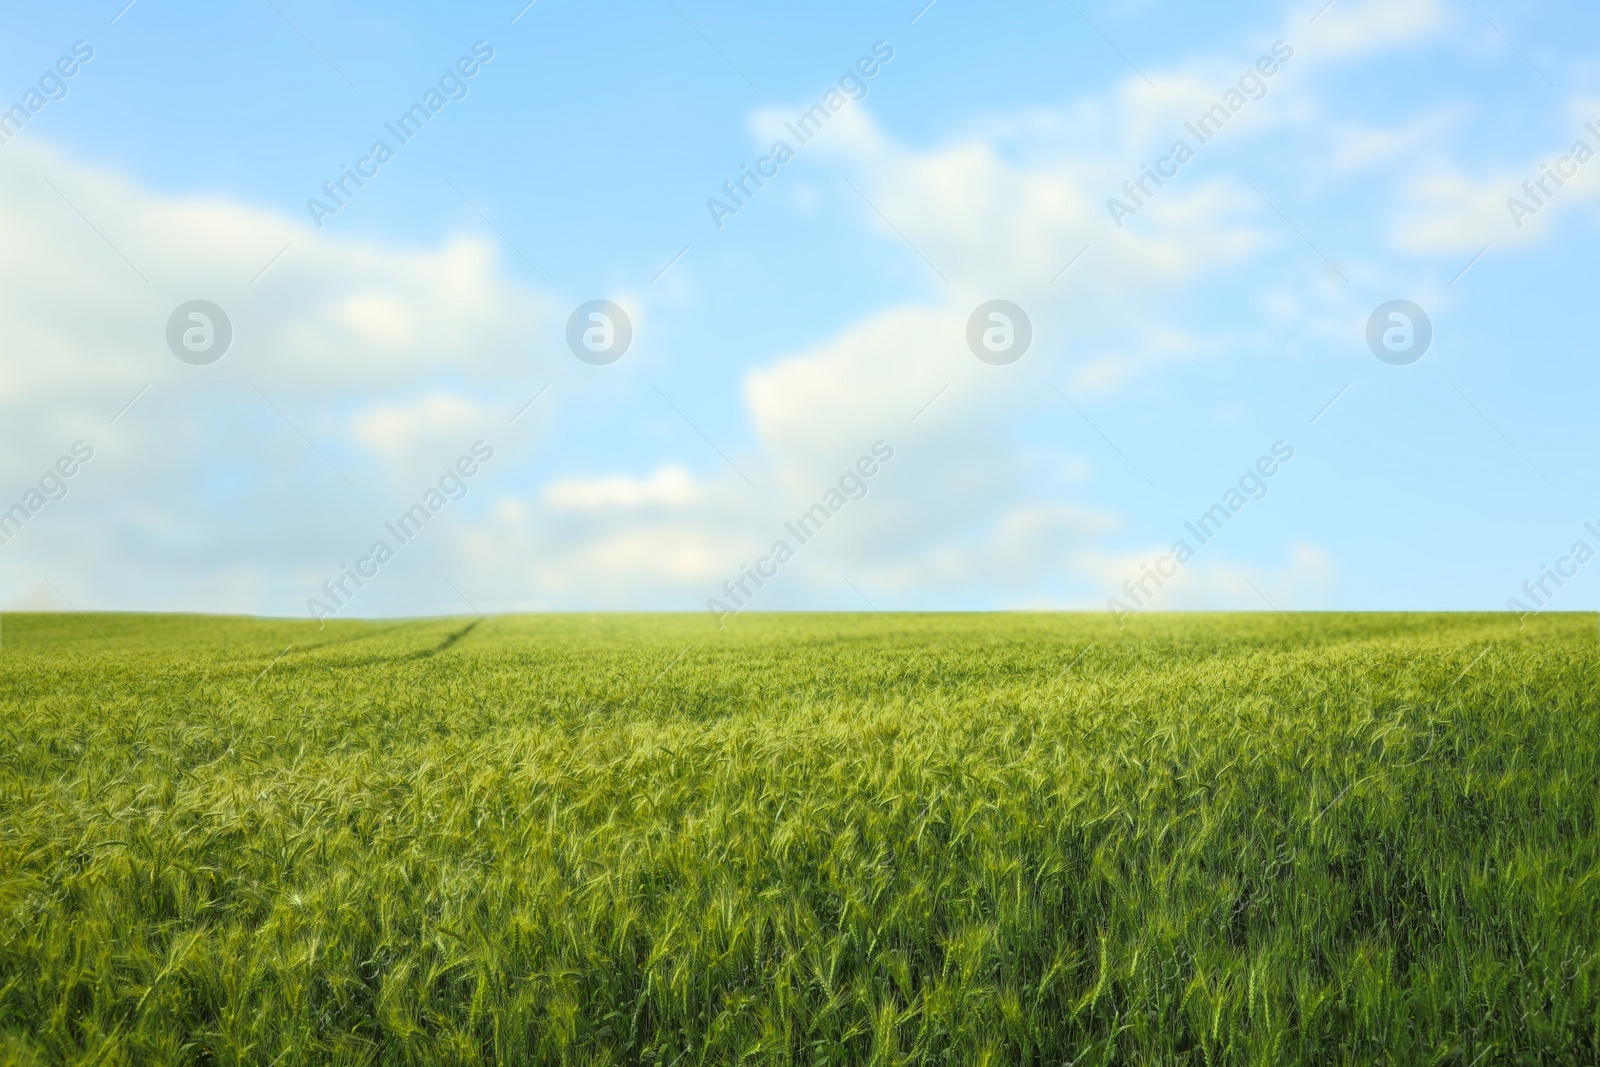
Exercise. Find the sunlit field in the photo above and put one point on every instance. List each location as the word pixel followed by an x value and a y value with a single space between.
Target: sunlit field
pixel 824 839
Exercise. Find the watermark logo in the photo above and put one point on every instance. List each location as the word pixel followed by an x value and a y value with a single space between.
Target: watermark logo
pixel 1538 191
pixel 52 86
pixel 452 486
pixel 599 332
pixel 1564 571
pixel 52 487
pixel 452 85
pixel 199 332
pixel 852 486
pixel 1252 85
pixel 999 332
pixel 1399 332
pixel 1252 485
pixel 741 190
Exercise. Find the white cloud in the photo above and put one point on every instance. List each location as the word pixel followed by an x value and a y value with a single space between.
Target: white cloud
pixel 1158 347
pixel 1029 545
pixel 845 392
pixel 426 430
pixel 1346 30
pixel 1451 211
pixel 202 494
pixel 1359 146
pixel 1211 581
pixel 388 360
pixel 671 486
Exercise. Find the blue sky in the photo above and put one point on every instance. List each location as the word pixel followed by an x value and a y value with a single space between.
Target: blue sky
pixel 770 353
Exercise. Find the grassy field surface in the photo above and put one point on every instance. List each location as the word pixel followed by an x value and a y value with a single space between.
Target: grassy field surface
pixel 919 839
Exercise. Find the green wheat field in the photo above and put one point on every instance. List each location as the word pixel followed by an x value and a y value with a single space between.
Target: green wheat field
pixel 803 839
